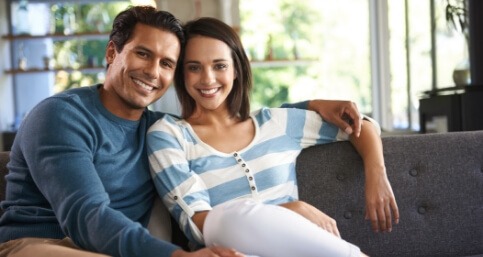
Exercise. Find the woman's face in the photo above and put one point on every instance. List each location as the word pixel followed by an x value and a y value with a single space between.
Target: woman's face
pixel 208 72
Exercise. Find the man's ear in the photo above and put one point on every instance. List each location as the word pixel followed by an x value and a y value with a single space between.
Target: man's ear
pixel 110 52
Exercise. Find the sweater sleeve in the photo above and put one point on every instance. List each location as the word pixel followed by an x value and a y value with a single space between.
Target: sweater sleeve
pixel 181 189
pixel 299 105
pixel 59 154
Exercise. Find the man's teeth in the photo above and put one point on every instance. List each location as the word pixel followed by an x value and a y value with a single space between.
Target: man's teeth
pixel 209 91
pixel 144 85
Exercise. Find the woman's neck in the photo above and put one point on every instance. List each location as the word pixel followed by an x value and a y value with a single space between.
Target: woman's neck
pixel 221 131
pixel 213 118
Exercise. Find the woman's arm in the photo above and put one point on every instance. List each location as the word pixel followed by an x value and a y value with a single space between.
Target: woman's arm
pixel 314 215
pixel 343 114
pixel 199 219
pixel 381 206
pixel 183 192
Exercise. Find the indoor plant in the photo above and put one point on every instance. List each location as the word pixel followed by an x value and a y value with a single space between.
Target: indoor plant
pixel 457 18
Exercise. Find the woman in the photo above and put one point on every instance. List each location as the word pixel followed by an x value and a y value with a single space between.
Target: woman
pixel 228 176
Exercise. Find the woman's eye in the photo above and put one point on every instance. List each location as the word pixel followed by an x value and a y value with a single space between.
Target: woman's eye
pixel 193 68
pixel 221 66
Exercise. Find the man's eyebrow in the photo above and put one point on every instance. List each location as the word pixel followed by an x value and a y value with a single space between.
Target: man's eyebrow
pixel 140 47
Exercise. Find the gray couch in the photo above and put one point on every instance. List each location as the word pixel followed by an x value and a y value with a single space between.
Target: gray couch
pixel 437 180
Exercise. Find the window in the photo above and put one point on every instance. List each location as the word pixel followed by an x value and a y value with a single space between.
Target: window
pixel 376 53
pixel 302 50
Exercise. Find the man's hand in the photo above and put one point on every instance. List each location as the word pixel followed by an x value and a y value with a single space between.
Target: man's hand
pixel 315 215
pixel 343 114
pixel 213 251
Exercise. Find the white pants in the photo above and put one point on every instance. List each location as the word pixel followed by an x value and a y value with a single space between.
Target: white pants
pixel 270 231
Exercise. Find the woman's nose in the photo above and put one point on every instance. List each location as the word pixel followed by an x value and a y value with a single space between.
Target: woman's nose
pixel 207 76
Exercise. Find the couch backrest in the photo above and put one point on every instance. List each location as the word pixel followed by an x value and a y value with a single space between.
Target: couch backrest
pixel 4 157
pixel 438 183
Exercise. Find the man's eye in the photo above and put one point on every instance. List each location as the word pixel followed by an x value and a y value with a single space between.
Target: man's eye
pixel 167 64
pixel 142 54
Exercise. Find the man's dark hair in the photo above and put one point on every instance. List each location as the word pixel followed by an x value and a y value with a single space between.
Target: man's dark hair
pixel 125 21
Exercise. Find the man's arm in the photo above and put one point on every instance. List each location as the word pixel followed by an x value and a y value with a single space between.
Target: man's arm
pixel 60 158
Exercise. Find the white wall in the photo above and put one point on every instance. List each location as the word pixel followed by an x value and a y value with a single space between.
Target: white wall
pixel 226 10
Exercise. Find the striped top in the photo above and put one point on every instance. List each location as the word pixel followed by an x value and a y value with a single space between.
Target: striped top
pixel 192 176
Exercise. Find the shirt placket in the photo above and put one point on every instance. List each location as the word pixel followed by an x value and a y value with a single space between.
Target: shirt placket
pixel 248 174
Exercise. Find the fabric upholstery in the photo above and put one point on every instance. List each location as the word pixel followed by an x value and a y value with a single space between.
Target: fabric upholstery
pixel 4 157
pixel 437 180
pixel 438 183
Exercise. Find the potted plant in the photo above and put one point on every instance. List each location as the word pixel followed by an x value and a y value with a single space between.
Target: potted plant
pixel 457 18
pixel 457 15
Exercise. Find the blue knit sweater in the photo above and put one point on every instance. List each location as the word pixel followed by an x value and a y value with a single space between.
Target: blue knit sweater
pixel 77 170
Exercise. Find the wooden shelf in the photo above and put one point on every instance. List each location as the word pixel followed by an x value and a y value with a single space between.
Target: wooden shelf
pixel 85 35
pixel 37 70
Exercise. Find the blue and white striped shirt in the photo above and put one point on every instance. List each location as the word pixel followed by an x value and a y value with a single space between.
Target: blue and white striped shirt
pixel 192 176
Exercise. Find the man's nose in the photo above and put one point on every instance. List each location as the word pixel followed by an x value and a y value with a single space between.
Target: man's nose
pixel 152 70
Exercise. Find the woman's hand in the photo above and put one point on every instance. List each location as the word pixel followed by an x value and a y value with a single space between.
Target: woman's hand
pixel 314 215
pixel 208 252
pixel 343 114
pixel 381 207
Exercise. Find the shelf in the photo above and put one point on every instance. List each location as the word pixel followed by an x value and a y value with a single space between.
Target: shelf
pixel 281 63
pixel 38 70
pixel 452 90
pixel 85 35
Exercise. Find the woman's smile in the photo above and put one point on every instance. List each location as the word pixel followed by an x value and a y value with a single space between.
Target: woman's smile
pixel 209 92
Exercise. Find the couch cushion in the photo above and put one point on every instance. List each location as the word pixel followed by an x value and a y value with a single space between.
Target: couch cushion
pixel 4 157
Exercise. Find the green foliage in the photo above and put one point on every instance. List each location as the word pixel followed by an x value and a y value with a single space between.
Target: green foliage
pixel 268 88
pixel 286 23
pixel 89 18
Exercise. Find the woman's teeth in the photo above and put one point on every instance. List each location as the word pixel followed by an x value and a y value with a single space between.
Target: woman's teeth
pixel 209 91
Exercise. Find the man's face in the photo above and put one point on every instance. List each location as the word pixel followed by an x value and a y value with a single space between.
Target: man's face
pixel 141 73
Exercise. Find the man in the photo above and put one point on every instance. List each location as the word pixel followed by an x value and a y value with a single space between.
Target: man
pixel 79 181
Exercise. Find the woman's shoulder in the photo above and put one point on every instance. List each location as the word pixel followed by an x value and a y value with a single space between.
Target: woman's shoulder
pixel 166 119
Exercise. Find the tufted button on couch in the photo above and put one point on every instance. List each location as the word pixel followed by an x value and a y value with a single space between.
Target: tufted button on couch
pixel 437 180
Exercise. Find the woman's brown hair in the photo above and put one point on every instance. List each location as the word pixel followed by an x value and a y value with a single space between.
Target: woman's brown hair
pixel 238 99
